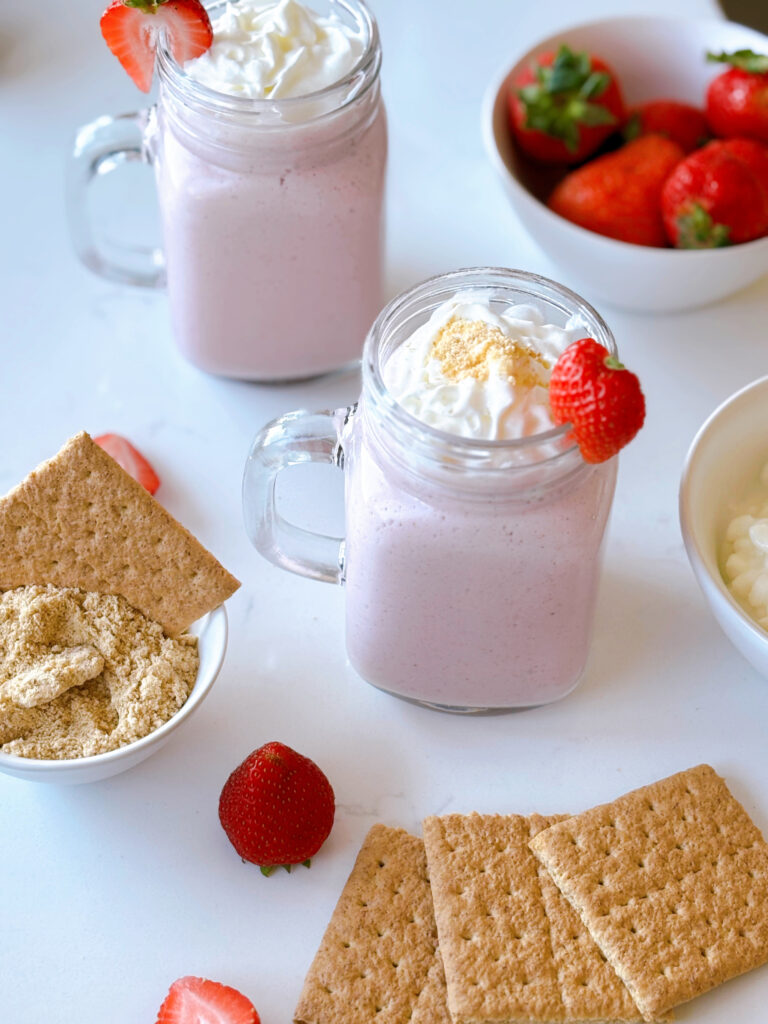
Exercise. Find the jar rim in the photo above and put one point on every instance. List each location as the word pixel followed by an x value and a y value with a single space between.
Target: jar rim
pixel 355 83
pixel 454 445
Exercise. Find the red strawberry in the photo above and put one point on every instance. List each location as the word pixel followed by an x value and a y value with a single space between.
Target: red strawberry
pixel 718 195
pixel 277 808
pixel 684 124
pixel 619 194
pixel 737 100
pixel 131 28
pixel 564 106
pixel 592 390
pixel 132 461
pixel 199 1001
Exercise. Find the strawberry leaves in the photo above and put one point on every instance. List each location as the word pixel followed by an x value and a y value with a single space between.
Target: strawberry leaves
pixel 562 97
pixel 697 230
pixel 745 60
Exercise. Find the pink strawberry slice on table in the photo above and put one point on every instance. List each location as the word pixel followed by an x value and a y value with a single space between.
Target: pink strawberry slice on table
pixel 132 461
pixel 199 1001
pixel 131 29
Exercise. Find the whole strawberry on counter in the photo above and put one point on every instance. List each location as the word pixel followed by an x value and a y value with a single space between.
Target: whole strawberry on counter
pixel 564 107
pixel 277 808
pixel 737 100
pixel 590 389
pixel 684 124
pixel 131 29
pixel 718 195
pixel 619 194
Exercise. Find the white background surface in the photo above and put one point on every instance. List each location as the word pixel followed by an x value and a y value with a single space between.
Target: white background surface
pixel 110 891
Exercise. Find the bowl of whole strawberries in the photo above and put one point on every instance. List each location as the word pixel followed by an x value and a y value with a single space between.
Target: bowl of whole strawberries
pixel 635 152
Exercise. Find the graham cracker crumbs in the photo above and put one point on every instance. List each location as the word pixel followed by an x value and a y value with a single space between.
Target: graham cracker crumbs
pixel 469 348
pixel 83 673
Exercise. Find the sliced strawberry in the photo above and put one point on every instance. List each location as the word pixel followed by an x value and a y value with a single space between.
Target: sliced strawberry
pixel 131 27
pixel 132 461
pixel 199 1001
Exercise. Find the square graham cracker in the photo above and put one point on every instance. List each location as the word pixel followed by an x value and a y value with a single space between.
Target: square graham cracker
pixel 513 949
pixel 378 960
pixel 79 520
pixel 672 882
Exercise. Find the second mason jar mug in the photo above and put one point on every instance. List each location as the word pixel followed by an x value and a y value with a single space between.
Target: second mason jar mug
pixel 271 209
pixel 470 566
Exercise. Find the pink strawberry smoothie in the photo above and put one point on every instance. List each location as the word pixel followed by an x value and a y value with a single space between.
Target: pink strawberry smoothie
pixel 479 606
pixel 271 196
pixel 471 587
pixel 274 259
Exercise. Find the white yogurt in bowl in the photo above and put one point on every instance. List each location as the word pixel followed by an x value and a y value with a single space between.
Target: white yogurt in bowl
pixel 745 552
pixel 720 485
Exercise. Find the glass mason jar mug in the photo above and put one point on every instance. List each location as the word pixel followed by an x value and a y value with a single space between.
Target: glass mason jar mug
pixel 471 567
pixel 272 214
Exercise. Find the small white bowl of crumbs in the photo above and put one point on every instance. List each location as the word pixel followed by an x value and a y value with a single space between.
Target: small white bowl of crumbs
pixel 112 621
pixel 76 717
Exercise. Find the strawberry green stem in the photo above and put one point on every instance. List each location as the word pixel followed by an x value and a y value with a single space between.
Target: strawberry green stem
pixel 746 60
pixel 697 230
pixel 146 6
pixel 561 97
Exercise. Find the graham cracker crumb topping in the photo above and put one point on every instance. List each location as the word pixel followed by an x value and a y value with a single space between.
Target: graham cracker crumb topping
pixel 470 348
pixel 82 673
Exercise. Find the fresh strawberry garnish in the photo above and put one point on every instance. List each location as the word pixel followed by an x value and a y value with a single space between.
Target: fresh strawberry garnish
pixel 564 106
pixel 619 194
pixel 132 461
pixel 684 124
pixel 590 389
pixel 277 808
pixel 199 1001
pixel 131 29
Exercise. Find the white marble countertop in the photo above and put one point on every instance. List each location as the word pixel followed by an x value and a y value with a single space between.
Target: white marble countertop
pixel 112 890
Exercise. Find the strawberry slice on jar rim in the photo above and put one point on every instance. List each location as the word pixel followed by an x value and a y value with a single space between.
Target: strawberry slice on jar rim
pixel 131 29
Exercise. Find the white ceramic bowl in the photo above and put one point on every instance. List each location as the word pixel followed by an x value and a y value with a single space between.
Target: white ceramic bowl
pixel 725 458
pixel 211 632
pixel 654 58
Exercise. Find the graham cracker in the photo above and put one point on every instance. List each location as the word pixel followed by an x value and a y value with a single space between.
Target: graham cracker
pixel 79 520
pixel 378 960
pixel 672 882
pixel 514 950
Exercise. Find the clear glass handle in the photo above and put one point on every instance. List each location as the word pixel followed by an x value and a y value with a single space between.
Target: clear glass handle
pixel 101 147
pixel 289 441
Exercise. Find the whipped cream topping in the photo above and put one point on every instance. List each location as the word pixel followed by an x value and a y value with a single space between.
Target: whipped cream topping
pixel 746 554
pixel 477 373
pixel 275 51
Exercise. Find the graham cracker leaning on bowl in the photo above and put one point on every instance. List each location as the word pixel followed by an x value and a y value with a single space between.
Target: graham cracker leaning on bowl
pixel 378 959
pixel 513 948
pixel 79 520
pixel 672 882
